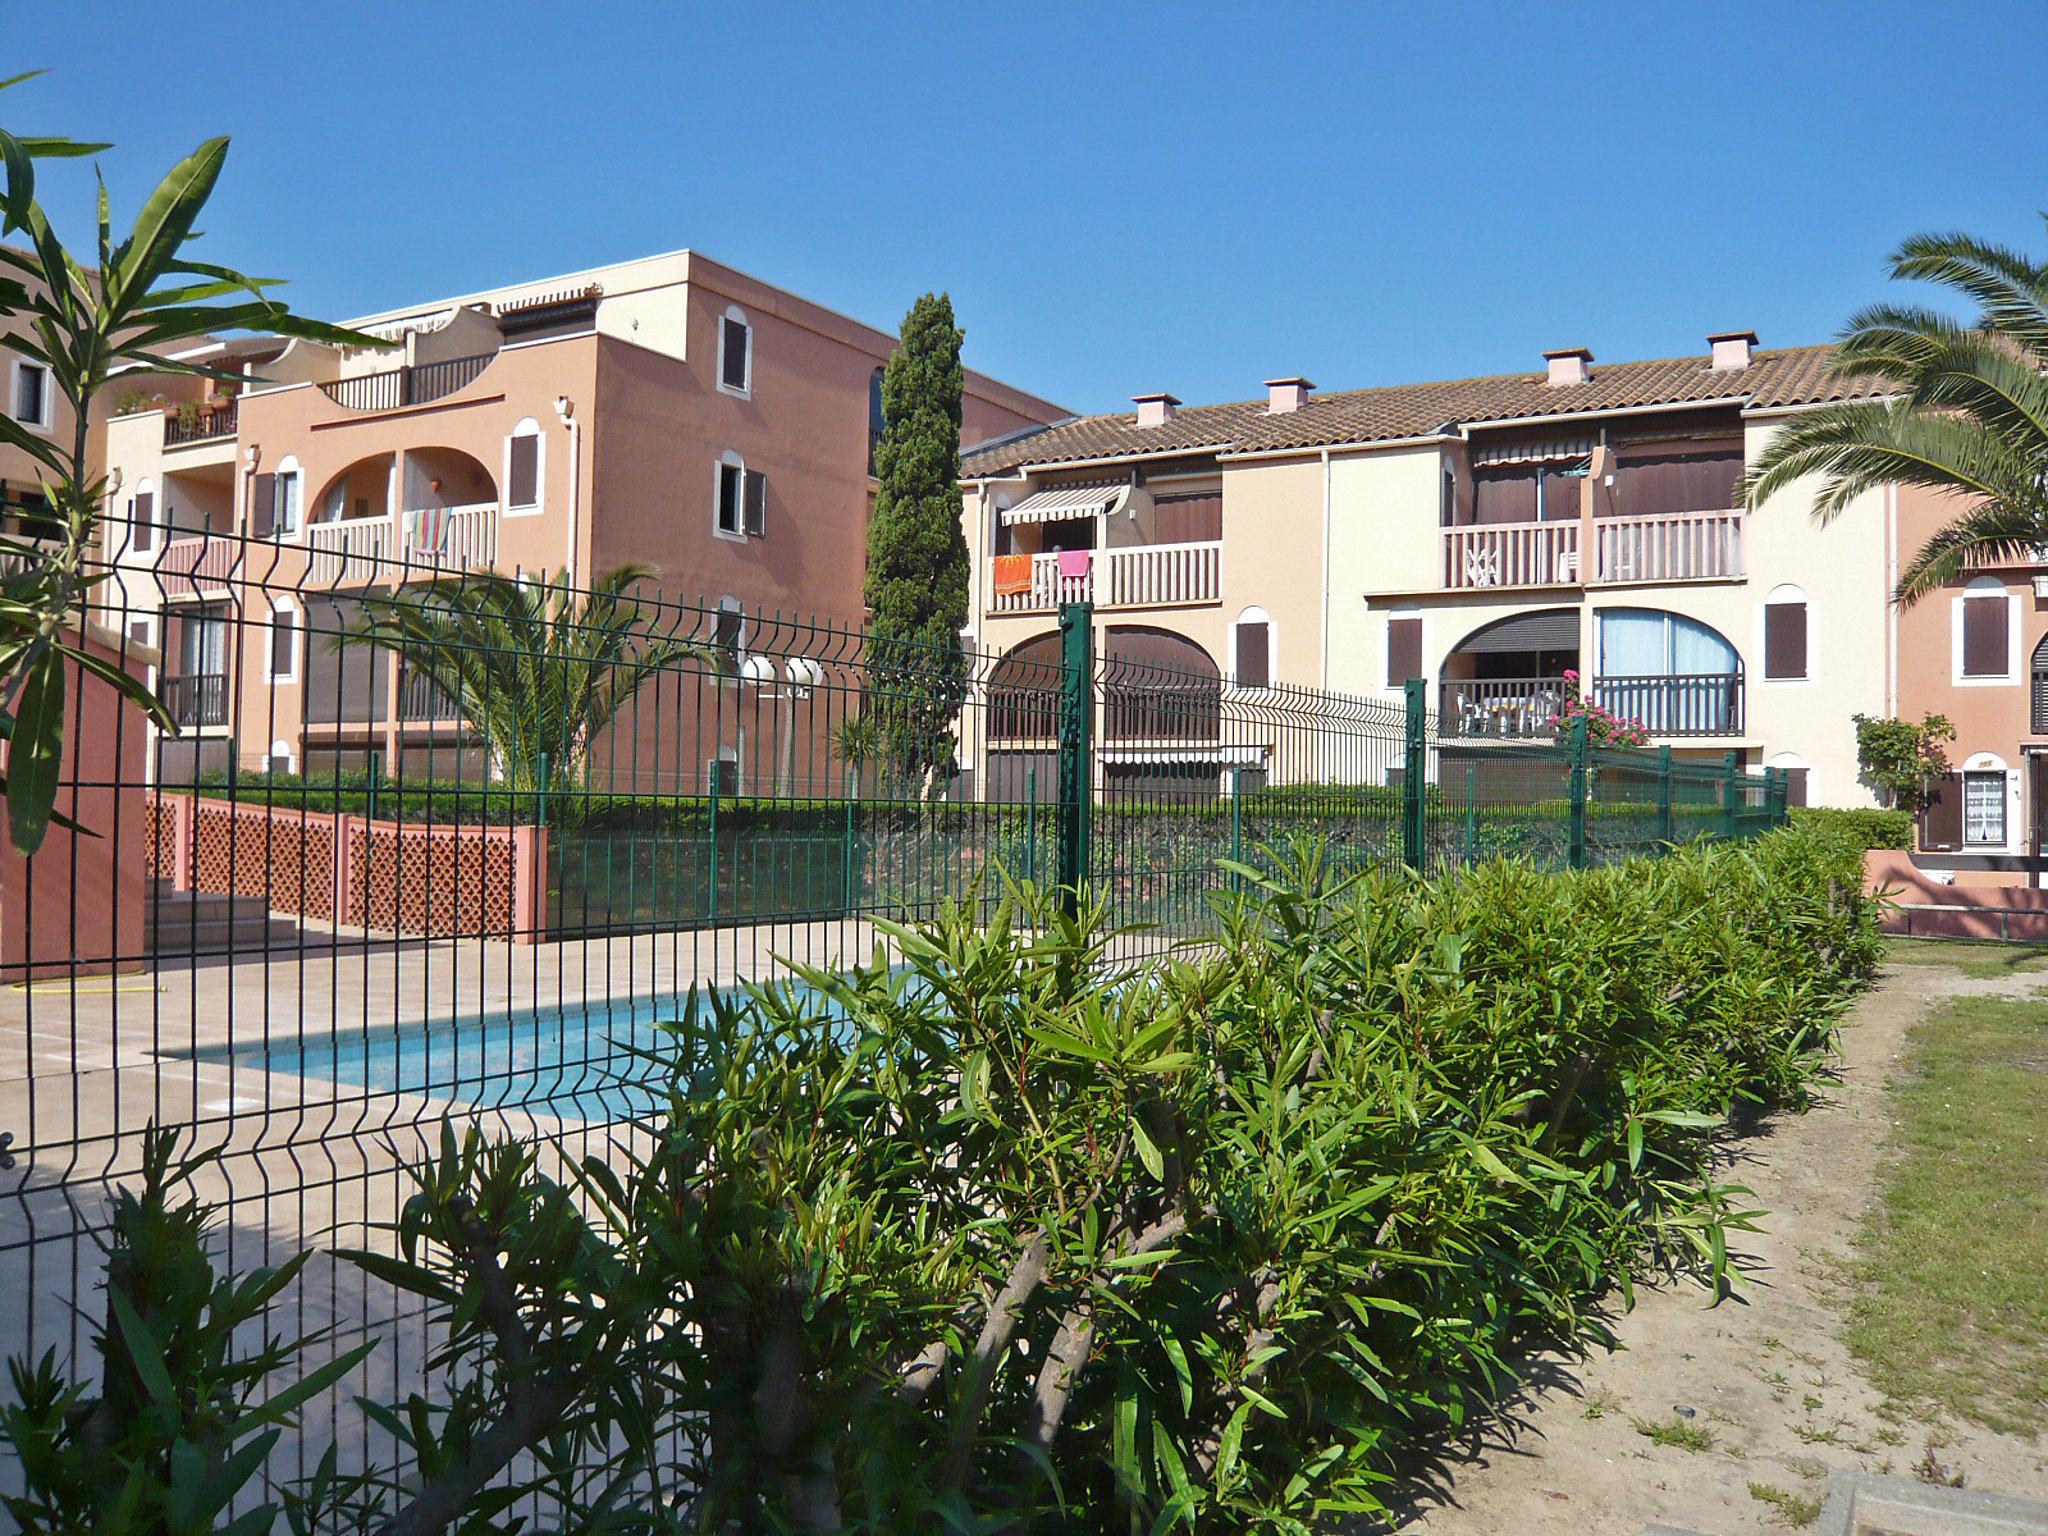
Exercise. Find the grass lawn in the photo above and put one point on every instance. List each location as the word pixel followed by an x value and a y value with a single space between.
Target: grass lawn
pixel 1973 957
pixel 1952 1304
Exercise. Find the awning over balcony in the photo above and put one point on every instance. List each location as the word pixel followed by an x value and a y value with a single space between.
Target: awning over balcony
pixel 1556 629
pixel 1065 501
pixel 1532 453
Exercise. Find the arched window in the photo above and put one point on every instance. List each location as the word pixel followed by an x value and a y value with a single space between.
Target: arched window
pixel 1788 635
pixel 2040 686
pixel 1158 686
pixel 525 464
pixel 275 499
pixel 141 529
pixel 1251 649
pixel 281 759
pixel 735 353
pixel 1798 777
pixel 1024 692
pixel 1674 675
pixel 876 421
pixel 281 662
pixel 729 634
pixel 1984 632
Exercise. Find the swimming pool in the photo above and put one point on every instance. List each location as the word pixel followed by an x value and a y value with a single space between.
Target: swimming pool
pixel 575 1061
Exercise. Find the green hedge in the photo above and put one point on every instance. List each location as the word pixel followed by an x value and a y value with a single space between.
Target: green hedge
pixel 1866 828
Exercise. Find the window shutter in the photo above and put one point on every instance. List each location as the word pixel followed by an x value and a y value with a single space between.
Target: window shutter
pixel 1984 636
pixel 1795 786
pixel 262 506
pixel 283 632
pixel 2040 692
pixel 144 513
pixel 1941 814
pixel 1404 650
pixel 1784 640
pixel 757 502
pixel 524 476
pixel 1254 664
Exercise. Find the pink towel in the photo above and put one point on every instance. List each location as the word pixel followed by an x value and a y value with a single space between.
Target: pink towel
pixel 1074 563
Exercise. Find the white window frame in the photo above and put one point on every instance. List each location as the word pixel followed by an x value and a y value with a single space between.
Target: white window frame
pixel 1787 592
pixel 48 423
pixel 1256 615
pixel 280 605
pixel 1994 773
pixel 288 468
pixel 738 533
pixel 1794 760
pixel 282 748
pixel 1978 591
pixel 527 427
pixel 745 391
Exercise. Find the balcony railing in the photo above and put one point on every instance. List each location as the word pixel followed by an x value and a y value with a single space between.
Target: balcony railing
pixel 436 541
pixel 184 426
pixel 197 698
pixel 198 564
pixel 1511 555
pixel 421 699
pixel 1507 707
pixel 1692 704
pixel 1678 546
pixel 1141 576
pixel 396 388
pixel 1689 704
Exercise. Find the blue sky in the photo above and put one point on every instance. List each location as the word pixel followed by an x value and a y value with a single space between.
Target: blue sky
pixel 1191 197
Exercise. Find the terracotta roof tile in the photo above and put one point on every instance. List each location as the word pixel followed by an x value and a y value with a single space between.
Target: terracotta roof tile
pixel 1782 377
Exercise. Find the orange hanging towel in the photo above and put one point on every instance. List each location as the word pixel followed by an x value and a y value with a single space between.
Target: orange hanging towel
pixel 1013 574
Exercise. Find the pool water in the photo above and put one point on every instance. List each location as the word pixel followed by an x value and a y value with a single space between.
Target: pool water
pixel 572 1062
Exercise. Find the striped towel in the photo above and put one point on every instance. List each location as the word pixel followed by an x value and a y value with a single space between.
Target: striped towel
pixel 430 530
pixel 1013 574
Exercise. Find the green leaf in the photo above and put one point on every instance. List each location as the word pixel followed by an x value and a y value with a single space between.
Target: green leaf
pixel 1148 1151
pixel 36 749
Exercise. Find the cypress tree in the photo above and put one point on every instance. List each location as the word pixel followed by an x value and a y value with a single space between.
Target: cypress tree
pixel 916 585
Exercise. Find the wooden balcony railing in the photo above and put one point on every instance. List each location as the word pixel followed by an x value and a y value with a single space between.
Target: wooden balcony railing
pixel 421 699
pixel 203 564
pixel 1511 555
pixel 1678 546
pixel 195 699
pixel 436 541
pixel 187 426
pixel 1140 576
pixel 396 388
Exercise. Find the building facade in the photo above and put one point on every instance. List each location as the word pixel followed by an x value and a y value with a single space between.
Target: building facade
pixel 670 411
pixel 1510 540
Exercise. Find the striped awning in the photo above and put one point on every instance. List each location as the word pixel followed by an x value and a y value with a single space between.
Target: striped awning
pixel 1065 501
pixel 1532 453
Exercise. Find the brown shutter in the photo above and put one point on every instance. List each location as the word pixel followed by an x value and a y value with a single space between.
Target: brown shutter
pixel 1404 650
pixel 282 630
pixel 524 473
pixel 1984 636
pixel 262 506
pixel 1795 786
pixel 1254 655
pixel 1784 639
pixel 1941 814
pixel 144 538
pixel 757 502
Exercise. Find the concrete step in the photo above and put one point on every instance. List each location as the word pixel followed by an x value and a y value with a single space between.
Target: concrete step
pixel 207 922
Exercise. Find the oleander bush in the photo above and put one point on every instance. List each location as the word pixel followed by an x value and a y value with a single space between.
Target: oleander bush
pixel 996 1233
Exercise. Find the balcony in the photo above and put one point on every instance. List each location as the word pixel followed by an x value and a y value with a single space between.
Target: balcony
pixel 396 388
pixel 1670 547
pixel 432 541
pixel 184 426
pixel 196 699
pixel 421 700
pixel 1524 708
pixel 203 564
pixel 1142 576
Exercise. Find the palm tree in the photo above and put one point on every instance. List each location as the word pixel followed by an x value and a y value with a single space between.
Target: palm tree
pixel 1960 409
pixel 537 668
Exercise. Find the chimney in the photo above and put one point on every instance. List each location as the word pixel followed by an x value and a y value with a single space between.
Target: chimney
pixel 1155 410
pixel 1285 395
pixel 1569 365
pixel 1733 349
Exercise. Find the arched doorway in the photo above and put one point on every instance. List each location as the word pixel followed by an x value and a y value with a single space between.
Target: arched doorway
pixel 1508 677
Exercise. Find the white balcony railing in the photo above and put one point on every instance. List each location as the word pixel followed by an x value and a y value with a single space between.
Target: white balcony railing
pixel 1678 546
pixel 435 540
pixel 1511 555
pixel 1143 576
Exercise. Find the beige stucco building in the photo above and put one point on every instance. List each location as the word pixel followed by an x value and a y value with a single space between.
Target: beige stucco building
pixel 1506 539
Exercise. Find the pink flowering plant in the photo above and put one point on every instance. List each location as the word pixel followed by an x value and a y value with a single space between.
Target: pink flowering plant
pixel 1604 728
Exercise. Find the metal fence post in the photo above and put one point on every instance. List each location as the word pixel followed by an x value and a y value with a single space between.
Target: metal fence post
pixel 1414 777
pixel 1236 825
pixel 1731 790
pixel 1076 755
pixel 1575 752
pixel 1031 825
pixel 1667 829
pixel 1775 796
pixel 711 883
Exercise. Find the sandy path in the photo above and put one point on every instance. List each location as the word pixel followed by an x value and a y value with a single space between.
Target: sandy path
pixel 1765 1373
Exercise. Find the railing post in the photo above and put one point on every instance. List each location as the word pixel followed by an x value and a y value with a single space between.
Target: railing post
pixel 1667 830
pixel 711 862
pixel 1414 777
pixel 1031 825
pixel 1236 824
pixel 1076 754
pixel 1575 754
pixel 1731 787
